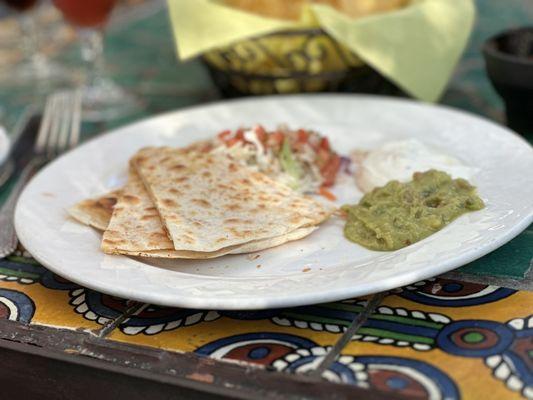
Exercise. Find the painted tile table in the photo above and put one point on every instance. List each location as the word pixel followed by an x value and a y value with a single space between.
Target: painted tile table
pixel 435 339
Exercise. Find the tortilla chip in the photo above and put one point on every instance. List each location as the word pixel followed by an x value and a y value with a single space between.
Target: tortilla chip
pixel 292 9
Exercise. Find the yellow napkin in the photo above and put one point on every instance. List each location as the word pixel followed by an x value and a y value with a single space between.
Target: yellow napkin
pixel 416 47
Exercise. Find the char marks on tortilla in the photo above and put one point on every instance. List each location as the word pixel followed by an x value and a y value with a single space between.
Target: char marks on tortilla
pixel 135 227
pixel 95 212
pixel 208 201
pixel 98 212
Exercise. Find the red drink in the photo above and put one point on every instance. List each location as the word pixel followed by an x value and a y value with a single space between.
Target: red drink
pixel 101 98
pixel 85 13
pixel 21 5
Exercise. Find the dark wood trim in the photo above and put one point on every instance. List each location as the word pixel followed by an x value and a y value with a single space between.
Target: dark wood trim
pixel 32 375
pixel 48 363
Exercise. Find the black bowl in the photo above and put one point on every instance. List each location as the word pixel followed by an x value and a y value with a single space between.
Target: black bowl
pixel 509 63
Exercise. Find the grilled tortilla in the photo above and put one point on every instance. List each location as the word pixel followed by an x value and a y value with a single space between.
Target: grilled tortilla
pixel 133 225
pixel 135 228
pixel 207 202
pixel 95 212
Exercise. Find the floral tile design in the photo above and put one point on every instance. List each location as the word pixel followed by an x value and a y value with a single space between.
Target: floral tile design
pixel 29 293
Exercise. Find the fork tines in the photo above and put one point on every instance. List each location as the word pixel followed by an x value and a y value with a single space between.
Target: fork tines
pixel 60 126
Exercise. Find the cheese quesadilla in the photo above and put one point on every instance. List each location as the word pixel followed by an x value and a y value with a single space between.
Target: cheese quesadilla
pixel 133 225
pixel 208 201
pixel 92 213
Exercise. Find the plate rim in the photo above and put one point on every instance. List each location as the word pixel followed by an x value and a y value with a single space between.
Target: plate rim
pixel 298 300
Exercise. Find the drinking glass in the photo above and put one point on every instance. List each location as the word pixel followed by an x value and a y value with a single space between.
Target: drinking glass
pixel 102 98
pixel 36 67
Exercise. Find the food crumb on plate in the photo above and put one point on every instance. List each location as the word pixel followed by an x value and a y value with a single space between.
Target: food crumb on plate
pixel 258 266
pixel 306 269
pixel 252 257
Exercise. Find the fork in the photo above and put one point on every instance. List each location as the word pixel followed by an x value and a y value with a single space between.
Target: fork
pixel 58 132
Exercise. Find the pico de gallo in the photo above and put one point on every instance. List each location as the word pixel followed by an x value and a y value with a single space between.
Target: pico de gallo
pixel 302 159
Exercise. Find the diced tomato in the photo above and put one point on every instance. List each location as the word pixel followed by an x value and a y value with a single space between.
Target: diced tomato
pixel 326 193
pixel 303 136
pixel 323 157
pixel 233 141
pixel 224 134
pixel 298 146
pixel 311 141
pixel 239 134
pixel 276 139
pixel 324 144
pixel 261 133
pixel 329 171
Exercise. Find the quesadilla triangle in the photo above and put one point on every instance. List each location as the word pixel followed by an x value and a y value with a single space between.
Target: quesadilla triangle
pixel 208 202
pixel 97 213
pixel 135 230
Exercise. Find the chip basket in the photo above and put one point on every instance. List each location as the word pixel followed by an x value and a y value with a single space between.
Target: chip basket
pixel 292 61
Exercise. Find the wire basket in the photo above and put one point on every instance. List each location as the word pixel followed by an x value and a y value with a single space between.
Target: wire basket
pixel 292 61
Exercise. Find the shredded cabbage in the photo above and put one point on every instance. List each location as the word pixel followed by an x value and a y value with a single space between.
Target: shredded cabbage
pixel 297 170
pixel 289 164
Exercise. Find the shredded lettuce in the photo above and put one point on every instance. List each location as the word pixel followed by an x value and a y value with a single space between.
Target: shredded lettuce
pixel 289 163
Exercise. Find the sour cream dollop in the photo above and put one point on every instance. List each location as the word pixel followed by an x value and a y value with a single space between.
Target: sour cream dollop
pixel 398 160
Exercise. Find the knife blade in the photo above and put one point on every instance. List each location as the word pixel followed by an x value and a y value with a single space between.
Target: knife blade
pixel 21 150
pixel 6 170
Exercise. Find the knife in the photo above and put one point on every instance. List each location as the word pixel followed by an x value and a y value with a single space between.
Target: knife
pixel 21 150
pixel 6 170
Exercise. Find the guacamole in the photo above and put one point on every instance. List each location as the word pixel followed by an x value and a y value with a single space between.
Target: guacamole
pixel 399 214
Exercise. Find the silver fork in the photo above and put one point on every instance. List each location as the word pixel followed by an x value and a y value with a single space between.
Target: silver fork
pixel 59 131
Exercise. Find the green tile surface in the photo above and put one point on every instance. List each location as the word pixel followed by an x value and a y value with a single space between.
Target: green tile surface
pixel 514 260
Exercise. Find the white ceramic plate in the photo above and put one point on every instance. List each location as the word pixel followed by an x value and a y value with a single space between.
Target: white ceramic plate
pixel 322 267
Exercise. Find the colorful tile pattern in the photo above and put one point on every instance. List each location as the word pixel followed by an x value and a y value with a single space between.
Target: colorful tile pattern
pixel 439 339
pixel 423 340
pixel 31 294
pixel 190 330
